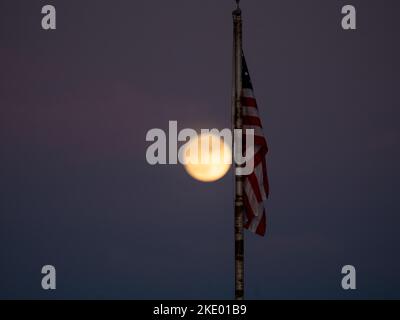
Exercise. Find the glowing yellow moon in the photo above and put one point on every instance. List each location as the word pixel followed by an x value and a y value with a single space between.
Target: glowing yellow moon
pixel 209 164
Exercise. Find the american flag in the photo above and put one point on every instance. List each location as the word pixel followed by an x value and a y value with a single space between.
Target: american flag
pixel 255 185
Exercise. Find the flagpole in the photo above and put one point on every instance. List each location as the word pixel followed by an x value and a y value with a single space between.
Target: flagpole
pixel 237 119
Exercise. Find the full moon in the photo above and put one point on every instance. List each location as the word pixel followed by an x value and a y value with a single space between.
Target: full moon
pixel 209 163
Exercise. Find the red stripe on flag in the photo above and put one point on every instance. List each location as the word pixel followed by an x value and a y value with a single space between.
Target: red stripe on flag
pixel 249 102
pixel 249 212
pixel 262 226
pixel 255 186
pixel 252 121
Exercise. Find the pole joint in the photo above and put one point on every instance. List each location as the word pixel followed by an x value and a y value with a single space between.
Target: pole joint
pixel 237 11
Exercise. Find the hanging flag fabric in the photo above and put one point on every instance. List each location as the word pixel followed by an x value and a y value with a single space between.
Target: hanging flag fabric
pixel 255 185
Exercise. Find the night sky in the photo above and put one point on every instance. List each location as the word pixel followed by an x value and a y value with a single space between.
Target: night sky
pixel 76 191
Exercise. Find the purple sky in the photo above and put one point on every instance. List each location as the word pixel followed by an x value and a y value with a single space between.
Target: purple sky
pixel 75 188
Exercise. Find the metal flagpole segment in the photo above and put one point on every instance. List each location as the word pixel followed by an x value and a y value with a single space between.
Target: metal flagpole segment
pixel 237 111
pixel 237 3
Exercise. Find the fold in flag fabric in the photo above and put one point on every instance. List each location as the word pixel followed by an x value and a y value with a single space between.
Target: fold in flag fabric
pixel 255 185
